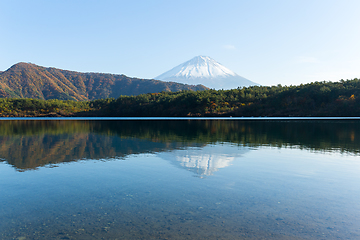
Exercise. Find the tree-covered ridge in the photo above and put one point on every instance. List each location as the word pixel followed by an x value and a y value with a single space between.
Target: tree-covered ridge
pixel 26 80
pixel 28 107
pixel 313 99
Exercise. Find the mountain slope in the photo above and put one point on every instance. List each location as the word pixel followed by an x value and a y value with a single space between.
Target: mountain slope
pixel 26 80
pixel 206 71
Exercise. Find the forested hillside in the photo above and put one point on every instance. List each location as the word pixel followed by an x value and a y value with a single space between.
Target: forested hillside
pixel 313 99
pixel 26 80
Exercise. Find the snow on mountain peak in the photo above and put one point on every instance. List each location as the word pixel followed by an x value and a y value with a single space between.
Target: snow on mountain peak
pixel 205 70
pixel 198 67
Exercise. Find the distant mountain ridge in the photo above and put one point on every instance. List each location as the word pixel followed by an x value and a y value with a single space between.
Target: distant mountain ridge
pixel 206 71
pixel 27 80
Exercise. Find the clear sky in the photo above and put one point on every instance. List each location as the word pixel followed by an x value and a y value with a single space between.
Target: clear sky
pixel 266 41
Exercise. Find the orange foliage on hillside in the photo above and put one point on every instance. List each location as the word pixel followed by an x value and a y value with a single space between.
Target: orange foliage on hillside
pixel 26 80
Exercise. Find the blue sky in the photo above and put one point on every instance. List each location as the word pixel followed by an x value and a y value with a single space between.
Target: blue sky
pixel 268 42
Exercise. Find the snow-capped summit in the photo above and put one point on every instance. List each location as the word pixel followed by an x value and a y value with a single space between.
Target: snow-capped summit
pixel 199 67
pixel 206 71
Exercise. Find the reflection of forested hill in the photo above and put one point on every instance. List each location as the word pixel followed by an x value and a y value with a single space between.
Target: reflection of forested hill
pixel 29 152
pixel 317 135
pixel 30 144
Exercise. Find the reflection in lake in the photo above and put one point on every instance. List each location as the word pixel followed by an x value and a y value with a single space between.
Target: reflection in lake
pixel 135 180
pixel 31 144
pixel 206 160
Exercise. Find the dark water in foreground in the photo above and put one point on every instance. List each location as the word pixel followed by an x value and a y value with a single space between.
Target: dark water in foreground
pixel 179 180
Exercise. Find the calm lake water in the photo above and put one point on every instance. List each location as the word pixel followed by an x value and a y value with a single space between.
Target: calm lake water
pixel 190 179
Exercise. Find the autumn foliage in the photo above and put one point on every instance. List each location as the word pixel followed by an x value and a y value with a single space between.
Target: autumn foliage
pixel 26 80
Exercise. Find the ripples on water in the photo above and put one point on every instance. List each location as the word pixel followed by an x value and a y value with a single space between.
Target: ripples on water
pixel 179 180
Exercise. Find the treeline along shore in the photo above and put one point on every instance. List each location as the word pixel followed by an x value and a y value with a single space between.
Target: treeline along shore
pixel 313 99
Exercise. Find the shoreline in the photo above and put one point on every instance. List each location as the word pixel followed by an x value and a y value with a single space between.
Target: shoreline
pixel 183 118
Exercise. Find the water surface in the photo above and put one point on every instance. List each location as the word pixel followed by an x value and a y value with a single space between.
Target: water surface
pixel 208 179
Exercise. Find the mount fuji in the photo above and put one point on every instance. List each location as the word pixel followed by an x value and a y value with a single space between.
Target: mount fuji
pixel 206 71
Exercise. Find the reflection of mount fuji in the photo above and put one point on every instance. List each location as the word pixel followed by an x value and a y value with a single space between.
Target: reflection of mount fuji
pixel 206 160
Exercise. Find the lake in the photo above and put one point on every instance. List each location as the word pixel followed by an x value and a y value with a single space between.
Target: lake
pixel 180 179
